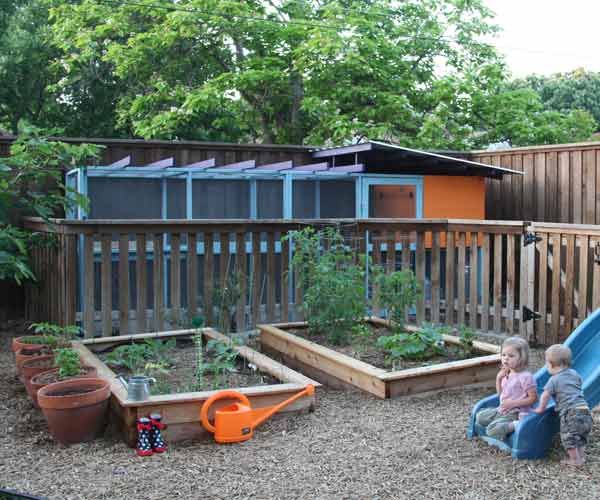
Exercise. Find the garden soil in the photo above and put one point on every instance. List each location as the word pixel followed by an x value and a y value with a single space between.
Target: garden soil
pixel 352 447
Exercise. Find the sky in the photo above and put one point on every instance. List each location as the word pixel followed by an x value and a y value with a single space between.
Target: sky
pixel 547 36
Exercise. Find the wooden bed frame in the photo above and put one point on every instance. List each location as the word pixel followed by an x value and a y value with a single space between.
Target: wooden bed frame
pixel 338 370
pixel 181 412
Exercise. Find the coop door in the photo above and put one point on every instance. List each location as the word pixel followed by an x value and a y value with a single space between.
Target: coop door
pixel 392 201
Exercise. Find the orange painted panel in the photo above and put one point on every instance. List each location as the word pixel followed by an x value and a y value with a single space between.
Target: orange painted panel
pixel 453 197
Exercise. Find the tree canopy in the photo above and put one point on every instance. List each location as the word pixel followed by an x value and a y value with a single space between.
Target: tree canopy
pixel 280 71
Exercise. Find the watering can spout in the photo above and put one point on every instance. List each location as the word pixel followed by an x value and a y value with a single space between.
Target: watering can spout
pixel 309 390
pixel 121 379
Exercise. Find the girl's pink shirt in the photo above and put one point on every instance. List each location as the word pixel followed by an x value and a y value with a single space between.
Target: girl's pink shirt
pixel 515 386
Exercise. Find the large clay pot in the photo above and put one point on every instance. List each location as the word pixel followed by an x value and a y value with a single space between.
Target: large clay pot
pixel 50 377
pixel 75 409
pixel 18 344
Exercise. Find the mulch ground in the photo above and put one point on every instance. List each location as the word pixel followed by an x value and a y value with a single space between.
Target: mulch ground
pixel 352 447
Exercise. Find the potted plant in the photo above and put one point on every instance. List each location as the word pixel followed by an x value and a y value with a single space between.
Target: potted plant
pixel 46 334
pixel 67 365
pixel 75 409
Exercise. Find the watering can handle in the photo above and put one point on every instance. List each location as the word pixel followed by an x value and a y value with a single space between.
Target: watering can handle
pixel 215 397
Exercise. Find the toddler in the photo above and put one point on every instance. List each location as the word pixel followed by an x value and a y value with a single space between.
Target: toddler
pixel 565 387
pixel 516 387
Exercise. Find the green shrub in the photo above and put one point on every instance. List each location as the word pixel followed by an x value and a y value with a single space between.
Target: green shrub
pixel 421 344
pixel 398 291
pixel 68 363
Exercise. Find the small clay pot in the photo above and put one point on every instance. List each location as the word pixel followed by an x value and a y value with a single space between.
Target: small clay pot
pixel 76 409
pixel 18 344
pixel 50 377
pixel 29 352
pixel 31 367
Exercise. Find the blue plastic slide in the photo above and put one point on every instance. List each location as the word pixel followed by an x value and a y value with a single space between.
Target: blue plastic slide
pixel 534 433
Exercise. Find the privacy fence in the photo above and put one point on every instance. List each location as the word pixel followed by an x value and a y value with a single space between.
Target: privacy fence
pixel 120 277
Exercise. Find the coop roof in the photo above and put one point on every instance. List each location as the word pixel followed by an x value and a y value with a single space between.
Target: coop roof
pixel 387 158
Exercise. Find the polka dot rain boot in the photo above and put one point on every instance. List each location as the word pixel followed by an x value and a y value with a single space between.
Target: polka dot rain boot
pixel 156 439
pixel 144 443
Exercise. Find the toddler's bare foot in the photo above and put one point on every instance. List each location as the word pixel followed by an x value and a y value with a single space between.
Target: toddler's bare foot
pixel 572 462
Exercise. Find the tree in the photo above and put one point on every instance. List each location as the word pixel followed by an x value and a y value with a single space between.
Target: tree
pixel 31 184
pixel 566 92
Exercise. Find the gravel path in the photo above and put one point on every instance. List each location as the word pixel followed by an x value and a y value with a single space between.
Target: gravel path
pixel 352 447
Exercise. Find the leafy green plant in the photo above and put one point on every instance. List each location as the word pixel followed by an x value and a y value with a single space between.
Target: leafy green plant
pixel 224 300
pixel 398 291
pixel 50 340
pixel 422 344
pixel 55 335
pixel 132 357
pixel 333 282
pixel 68 362
pixel 466 337
pixel 158 350
pixel 223 356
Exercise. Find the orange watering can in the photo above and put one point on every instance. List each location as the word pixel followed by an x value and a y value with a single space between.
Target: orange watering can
pixel 236 422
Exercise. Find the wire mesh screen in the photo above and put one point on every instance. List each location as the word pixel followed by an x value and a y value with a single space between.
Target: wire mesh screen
pixel 269 199
pixel 112 198
pixel 221 199
pixel 337 199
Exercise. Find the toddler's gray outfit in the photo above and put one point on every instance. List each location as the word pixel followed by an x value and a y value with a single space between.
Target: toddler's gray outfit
pixel 575 416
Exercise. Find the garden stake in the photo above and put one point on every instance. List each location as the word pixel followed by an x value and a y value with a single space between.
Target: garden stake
pixel 144 428
pixel 156 439
pixel 235 423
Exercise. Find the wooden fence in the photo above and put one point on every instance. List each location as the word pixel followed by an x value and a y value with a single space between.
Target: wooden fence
pixel 476 273
pixel 561 183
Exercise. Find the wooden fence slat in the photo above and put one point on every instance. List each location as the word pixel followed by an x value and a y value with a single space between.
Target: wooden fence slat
pixel 596 280
pixel 582 306
pixel 420 275
pixel 497 283
pixel 473 273
pixel 123 284
pixel 285 279
pixel 405 251
pixel 485 283
pixel 556 266
pixel 89 285
pixel 209 277
pixel 158 282
pixel 192 276
pixel 106 277
pixel 450 270
pixel 551 186
pixel 542 273
pixel 435 277
pixel 576 158
pixel 510 283
pixel 523 272
pixel 271 281
pixel 141 282
pixel 391 253
pixel 240 266
pixel 528 188
pixel 461 272
pixel 589 187
pixel 564 192
pixel 176 278
pixel 569 284
pixel 224 260
pixel 376 237
pixel 256 278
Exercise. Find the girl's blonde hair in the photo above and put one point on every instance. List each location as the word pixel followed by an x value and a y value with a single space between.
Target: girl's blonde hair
pixel 522 347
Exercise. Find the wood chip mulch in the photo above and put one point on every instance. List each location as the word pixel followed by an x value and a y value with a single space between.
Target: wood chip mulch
pixel 352 447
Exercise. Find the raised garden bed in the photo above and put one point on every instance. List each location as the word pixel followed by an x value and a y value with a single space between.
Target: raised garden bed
pixel 181 411
pixel 336 369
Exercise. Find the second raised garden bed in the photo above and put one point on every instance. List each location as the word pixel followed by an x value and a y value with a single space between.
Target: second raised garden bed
pixel 340 370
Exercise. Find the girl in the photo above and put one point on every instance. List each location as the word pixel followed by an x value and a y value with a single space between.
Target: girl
pixel 516 387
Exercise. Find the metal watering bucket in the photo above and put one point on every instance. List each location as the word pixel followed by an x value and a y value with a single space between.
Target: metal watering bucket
pixel 138 387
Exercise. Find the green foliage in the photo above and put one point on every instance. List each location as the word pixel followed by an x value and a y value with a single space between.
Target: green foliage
pixel 224 300
pixel 50 340
pixel 31 184
pixel 332 282
pixel 467 337
pixel 424 343
pixel 398 291
pixel 56 335
pixel 223 356
pixel 68 363
pixel 134 357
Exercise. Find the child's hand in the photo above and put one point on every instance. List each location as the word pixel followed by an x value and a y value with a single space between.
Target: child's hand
pixel 507 405
pixel 504 371
pixel 538 410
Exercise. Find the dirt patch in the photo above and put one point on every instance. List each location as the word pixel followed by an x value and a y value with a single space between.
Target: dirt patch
pixel 354 446
pixel 364 348
pixel 179 366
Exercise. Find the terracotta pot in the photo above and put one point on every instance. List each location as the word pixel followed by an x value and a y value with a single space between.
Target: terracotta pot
pixel 50 377
pixel 31 367
pixel 29 352
pixel 75 409
pixel 17 344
